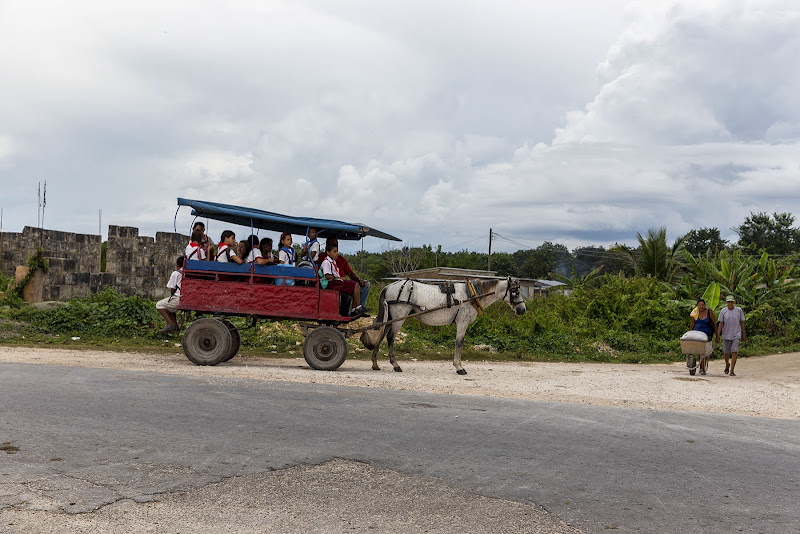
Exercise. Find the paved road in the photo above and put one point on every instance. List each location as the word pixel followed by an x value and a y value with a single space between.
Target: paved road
pixel 97 436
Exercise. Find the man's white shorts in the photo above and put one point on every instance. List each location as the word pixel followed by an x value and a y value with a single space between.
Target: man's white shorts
pixel 170 304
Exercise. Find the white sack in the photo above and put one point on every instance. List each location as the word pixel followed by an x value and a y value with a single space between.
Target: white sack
pixel 694 335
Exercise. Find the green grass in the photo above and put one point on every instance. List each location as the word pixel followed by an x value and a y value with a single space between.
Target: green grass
pixel 621 323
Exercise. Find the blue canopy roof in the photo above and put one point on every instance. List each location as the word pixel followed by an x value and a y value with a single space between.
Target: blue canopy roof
pixel 280 223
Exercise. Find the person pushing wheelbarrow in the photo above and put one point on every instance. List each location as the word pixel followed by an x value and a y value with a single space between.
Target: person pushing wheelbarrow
pixel 698 341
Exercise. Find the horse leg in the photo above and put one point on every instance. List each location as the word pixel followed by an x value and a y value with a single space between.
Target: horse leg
pixel 375 366
pixel 393 330
pixel 377 348
pixel 383 315
pixel 461 331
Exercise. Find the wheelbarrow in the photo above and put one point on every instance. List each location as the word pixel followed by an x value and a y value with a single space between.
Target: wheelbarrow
pixel 697 352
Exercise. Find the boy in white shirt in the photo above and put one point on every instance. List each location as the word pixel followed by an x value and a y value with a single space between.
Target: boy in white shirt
pixel 168 306
pixel 226 252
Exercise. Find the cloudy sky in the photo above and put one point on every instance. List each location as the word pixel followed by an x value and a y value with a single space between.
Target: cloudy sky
pixel 578 122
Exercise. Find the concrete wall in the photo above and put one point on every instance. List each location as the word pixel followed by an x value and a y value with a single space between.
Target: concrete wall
pixel 135 265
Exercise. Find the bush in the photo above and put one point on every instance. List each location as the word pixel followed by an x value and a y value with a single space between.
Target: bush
pixel 106 314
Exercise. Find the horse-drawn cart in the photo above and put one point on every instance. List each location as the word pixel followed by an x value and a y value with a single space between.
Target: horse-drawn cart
pixel 219 290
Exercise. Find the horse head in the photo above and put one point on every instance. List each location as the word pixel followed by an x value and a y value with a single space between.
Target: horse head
pixel 513 296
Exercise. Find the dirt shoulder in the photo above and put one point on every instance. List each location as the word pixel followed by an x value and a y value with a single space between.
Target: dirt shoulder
pixel 766 386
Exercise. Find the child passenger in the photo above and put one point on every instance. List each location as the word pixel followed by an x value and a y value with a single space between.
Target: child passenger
pixel 225 251
pixel 205 242
pixel 286 254
pixel 311 250
pixel 335 280
pixel 265 246
pixel 252 254
pixel 168 306
pixel 195 250
pixel 286 257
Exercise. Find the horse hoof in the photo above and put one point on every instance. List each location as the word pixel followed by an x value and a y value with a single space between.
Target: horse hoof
pixel 376 368
pixel 398 370
pixel 461 371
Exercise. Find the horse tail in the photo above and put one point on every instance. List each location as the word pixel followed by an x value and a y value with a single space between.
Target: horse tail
pixel 372 338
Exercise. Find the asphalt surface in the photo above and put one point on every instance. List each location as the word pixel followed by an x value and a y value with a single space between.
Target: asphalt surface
pixel 92 438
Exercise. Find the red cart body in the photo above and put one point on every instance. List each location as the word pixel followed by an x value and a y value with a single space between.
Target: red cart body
pixel 253 290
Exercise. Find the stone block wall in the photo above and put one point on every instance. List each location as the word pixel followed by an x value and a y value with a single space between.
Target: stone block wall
pixel 135 265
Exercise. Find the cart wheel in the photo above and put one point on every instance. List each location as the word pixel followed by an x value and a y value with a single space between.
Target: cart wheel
pixel 236 339
pixel 207 342
pixel 691 363
pixel 325 348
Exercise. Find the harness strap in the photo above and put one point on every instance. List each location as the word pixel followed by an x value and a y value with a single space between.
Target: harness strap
pixel 474 293
pixel 410 291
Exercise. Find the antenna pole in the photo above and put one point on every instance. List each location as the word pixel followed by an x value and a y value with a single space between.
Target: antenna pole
pixel 489 268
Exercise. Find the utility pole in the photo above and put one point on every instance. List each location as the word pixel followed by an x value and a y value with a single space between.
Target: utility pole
pixel 489 267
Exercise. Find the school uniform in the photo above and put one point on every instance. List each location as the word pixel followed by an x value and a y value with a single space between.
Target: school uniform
pixel 224 253
pixel 172 302
pixel 194 251
pixel 255 253
pixel 343 286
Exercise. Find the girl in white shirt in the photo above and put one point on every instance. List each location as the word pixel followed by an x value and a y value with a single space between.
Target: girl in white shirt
pixel 286 255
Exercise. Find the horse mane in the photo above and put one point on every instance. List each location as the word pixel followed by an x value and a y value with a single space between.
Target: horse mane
pixel 486 286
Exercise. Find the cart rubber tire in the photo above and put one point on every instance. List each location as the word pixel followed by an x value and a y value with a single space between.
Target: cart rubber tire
pixel 207 342
pixel 691 363
pixel 325 348
pixel 236 339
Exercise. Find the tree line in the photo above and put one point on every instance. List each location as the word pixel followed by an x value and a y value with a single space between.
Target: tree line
pixel 760 232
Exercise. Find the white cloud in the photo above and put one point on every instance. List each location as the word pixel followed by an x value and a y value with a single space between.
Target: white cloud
pixel 579 123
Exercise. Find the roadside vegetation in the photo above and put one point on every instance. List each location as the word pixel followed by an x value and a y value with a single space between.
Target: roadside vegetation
pixel 633 313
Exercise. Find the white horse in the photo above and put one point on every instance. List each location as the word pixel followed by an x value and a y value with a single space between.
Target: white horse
pixel 409 298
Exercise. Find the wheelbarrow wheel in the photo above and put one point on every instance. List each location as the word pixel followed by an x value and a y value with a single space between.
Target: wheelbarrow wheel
pixel 691 363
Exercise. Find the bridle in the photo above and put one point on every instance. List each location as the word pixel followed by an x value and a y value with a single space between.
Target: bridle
pixel 512 289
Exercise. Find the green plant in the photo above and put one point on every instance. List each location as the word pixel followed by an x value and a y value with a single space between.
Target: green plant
pixel 13 291
pixel 654 257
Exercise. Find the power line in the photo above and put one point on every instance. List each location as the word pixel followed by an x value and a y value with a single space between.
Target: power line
pixel 464 243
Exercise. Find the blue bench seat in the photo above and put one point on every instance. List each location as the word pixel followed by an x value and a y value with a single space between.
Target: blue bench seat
pixel 246 268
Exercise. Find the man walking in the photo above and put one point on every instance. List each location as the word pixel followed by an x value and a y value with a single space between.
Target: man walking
pixel 731 327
